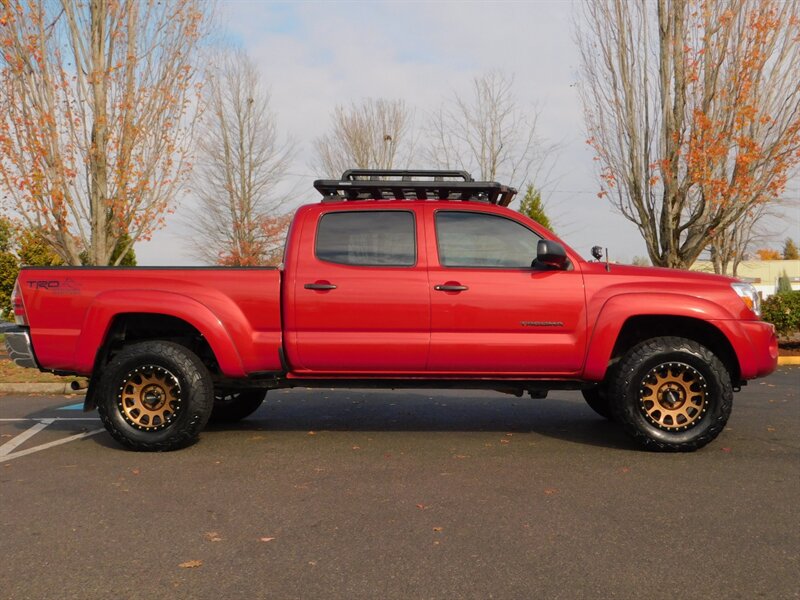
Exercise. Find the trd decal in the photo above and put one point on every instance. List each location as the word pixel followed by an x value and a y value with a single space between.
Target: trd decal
pixel 66 286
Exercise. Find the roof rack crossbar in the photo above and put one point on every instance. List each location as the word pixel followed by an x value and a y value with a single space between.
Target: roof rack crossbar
pixel 367 184
pixel 405 174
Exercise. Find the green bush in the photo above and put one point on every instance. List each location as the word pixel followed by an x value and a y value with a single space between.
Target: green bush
pixel 783 311
pixel 9 268
pixel 784 284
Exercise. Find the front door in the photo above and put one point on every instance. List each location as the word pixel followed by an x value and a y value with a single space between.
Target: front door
pixel 491 312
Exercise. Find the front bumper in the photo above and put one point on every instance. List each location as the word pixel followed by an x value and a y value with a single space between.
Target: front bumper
pixel 763 347
pixel 20 350
pixel 755 344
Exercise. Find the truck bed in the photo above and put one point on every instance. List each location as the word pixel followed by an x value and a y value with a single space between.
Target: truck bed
pixel 72 308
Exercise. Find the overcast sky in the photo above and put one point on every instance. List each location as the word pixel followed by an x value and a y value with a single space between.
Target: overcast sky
pixel 314 55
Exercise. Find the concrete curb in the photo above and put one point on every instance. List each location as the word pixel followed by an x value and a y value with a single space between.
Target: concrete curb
pixel 788 360
pixel 39 388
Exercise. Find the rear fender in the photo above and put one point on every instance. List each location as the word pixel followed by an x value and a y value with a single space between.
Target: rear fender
pixel 107 305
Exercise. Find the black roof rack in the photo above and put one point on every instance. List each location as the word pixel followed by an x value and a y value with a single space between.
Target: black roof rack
pixel 384 184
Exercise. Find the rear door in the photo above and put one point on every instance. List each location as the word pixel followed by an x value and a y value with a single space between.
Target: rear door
pixel 490 311
pixel 361 298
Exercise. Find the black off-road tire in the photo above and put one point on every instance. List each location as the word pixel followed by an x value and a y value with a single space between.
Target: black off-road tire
pixel 598 401
pixel 231 406
pixel 155 396
pixel 671 394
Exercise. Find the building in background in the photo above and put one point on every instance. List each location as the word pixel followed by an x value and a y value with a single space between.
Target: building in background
pixel 763 274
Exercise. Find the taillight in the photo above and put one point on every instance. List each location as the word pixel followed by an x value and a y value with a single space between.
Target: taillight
pixel 19 306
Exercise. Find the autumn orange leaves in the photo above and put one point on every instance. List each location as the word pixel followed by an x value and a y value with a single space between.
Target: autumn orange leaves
pixel 693 110
pixel 96 118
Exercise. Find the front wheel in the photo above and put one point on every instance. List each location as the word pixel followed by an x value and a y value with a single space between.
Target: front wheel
pixel 155 396
pixel 671 394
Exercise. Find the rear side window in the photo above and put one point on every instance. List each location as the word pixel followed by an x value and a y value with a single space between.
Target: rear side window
pixel 368 238
pixel 468 239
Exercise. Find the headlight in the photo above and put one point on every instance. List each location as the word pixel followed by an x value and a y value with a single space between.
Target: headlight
pixel 749 296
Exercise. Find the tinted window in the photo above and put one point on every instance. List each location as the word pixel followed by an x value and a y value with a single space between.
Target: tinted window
pixel 367 238
pixel 479 240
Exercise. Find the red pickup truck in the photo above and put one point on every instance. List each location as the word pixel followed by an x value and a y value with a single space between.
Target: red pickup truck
pixel 398 279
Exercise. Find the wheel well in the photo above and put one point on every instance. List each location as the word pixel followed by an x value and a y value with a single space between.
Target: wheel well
pixel 129 328
pixel 644 327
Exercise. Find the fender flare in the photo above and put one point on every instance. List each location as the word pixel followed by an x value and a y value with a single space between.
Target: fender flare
pixel 107 305
pixel 618 309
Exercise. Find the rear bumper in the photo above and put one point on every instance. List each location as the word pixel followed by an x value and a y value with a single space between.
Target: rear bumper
pixel 20 350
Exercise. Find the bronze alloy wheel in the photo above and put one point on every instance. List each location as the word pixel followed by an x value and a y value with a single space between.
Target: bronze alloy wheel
pixel 149 397
pixel 673 396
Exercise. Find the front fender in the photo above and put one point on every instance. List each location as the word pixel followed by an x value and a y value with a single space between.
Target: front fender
pixel 108 305
pixel 619 309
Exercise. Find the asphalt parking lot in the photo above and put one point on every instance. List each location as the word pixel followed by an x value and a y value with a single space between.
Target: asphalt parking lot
pixel 373 494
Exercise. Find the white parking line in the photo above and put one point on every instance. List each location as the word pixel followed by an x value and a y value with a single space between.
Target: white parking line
pixel 7 450
pixel 55 419
pixel 71 438
pixel 23 437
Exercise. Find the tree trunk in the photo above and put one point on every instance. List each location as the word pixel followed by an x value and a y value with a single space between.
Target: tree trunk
pixel 99 251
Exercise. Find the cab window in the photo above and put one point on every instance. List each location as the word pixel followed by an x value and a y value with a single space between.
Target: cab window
pixel 468 239
pixel 367 238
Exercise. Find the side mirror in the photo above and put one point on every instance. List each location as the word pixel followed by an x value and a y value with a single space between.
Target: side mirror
pixel 551 254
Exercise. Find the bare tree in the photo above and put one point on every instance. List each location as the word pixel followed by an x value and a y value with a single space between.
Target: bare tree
pixel 730 247
pixel 242 158
pixel 375 134
pixel 693 109
pixel 95 123
pixel 488 134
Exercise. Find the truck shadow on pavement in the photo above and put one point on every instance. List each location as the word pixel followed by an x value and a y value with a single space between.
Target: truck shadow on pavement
pixel 358 410
pixel 563 416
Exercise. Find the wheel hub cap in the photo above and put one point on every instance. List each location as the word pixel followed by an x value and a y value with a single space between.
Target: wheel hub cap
pixel 149 397
pixel 673 396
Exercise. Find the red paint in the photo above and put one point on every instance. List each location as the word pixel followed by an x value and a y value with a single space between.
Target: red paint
pixel 385 321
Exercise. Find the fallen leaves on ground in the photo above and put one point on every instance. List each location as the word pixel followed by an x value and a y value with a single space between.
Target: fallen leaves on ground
pixel 438 529
pixel 191 564
pixel 265 539
pixel 213 536
pixel 550 491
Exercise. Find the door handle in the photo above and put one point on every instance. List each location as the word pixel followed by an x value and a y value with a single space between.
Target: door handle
pixel 319 286
pixel 450 288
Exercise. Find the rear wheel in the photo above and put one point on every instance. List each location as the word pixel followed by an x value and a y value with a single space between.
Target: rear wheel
pixel 672 394
pixel 155 396
pixel 231 406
